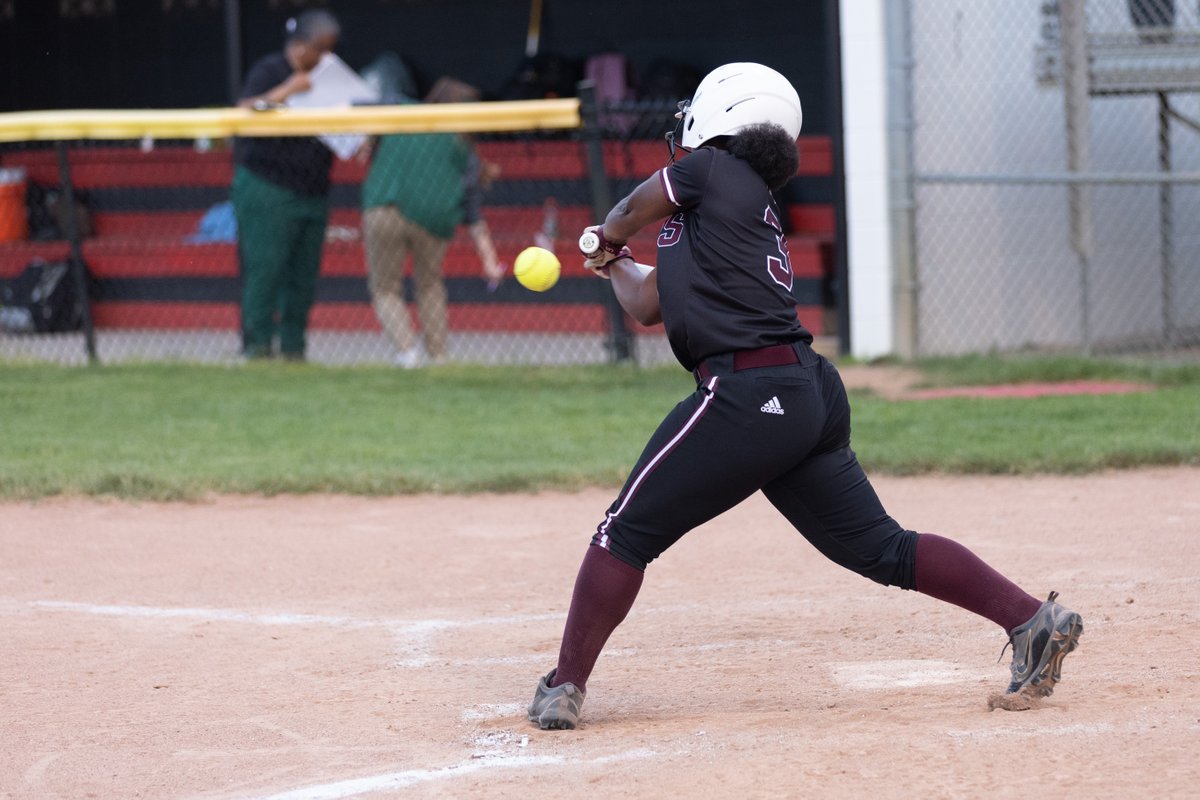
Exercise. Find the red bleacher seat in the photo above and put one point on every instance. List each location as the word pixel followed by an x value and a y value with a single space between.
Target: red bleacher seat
pixel 148 243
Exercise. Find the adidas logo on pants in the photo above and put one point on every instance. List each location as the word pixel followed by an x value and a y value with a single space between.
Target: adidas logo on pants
pixel 772 406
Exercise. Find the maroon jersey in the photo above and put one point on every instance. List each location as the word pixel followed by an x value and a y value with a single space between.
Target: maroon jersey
pixel 724 278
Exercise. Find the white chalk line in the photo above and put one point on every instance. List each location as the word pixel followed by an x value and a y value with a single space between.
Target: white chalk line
pixel 398 780
pixel 414 643
pixel 1040 731
pixel 311 620
pixel 284 619
pixel 413 638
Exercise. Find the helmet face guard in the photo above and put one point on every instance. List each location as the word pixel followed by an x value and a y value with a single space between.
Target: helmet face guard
pixel 673 135
pixel 735 96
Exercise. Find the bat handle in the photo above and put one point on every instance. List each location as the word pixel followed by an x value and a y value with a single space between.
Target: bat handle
pixel 589 243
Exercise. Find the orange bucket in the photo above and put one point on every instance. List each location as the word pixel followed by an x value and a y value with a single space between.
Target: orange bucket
pixel 14 225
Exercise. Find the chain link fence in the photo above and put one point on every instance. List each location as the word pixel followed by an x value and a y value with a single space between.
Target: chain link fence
pixel 397 249
pixel 1054 149
pixel 390 249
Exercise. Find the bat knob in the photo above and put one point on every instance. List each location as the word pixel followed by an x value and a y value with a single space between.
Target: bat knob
pixel 589 243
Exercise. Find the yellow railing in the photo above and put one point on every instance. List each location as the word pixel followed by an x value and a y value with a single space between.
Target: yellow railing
pixel 515 115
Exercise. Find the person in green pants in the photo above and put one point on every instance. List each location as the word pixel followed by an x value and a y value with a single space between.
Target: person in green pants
pixel 280 197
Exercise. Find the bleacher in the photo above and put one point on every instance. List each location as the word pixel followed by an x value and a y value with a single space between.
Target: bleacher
pixel 145 206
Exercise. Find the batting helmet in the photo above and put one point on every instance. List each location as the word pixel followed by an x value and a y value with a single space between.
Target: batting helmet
pixel 734 96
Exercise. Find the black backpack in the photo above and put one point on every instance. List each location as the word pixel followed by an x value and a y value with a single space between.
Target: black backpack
pixel 46 210
pixel 42 299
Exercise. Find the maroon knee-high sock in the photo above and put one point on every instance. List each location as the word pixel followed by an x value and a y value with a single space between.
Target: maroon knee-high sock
pixel 604 592
pixel 950 572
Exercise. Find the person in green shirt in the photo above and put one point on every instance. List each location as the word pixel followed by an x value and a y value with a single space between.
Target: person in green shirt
pixel 414 198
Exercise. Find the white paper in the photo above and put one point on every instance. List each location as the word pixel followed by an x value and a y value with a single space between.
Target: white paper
pixel 335 85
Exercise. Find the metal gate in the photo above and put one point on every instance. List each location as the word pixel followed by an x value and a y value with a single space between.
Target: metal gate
pixel 1049 163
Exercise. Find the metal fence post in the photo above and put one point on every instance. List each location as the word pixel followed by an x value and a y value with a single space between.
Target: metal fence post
pixel 902 197
pixel 74 234
pixel 233 48
pixel 620 341
pixel 1166 220
pixel 1076 97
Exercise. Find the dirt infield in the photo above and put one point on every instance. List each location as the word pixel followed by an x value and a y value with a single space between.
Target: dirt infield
pixel 331 647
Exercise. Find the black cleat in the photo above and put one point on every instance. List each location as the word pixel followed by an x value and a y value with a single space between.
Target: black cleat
pixel 556 707
pixel 1039 647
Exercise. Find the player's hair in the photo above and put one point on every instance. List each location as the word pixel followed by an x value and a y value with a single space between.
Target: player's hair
pixel 311 24
pixel 769 150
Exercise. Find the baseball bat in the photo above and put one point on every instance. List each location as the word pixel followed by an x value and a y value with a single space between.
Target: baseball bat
pixel 589 244
pixel 534 34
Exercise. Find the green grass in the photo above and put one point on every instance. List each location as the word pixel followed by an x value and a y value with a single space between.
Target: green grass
pixel 1064 434
pixel 167 432
pixel 1073 434
pixel 163 432
pixel 973 370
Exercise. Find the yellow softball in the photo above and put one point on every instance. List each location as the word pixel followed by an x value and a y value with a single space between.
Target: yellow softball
pixel 536 268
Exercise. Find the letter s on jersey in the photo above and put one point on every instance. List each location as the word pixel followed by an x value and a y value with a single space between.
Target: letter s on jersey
pixel 672 230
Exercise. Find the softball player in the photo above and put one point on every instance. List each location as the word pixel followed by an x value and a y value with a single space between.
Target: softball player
pixel 768 414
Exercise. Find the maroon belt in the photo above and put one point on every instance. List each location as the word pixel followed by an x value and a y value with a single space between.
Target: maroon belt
pixel 776 355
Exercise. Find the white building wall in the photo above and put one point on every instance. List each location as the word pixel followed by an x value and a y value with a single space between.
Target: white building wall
pixel 868 239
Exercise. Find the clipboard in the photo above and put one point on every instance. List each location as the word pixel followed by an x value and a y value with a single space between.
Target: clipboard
pixel 335 85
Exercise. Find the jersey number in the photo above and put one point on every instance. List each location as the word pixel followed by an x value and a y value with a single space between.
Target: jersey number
pixel 778 267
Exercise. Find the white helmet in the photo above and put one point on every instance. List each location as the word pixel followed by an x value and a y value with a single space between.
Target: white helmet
pixel 733 96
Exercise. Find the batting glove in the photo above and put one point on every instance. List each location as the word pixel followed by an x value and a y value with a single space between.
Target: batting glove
pixel 599 265
pixel 592 244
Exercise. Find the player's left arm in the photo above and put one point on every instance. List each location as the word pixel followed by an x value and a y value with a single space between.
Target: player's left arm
pixel 644 205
